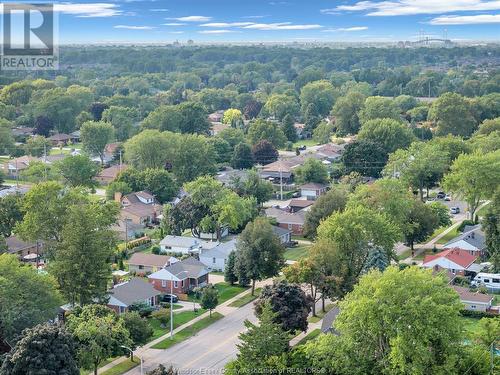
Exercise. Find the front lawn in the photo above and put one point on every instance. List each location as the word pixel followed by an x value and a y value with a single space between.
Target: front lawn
pixel 449 236
pixel 180 318
pixel 422 255
pixel 296 253
pixel 405 254
pixel 228 291
pixel 247 298
pixel 122 367
pixel 320 313
pixel 310 336
pixel 188 331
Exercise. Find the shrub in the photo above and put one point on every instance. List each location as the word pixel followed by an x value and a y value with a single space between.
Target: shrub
pixel 142 308
pixel 162 315
pixel 477 314
pixel 155 250
pixel 461 227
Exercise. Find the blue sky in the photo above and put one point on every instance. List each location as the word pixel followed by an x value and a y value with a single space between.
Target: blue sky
pixel 104 21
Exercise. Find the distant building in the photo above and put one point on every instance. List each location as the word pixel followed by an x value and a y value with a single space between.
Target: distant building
pixel 472 240
pixel 215 259
pixel 286 220
pixel 149 263
pixel 140 207
pixel 185 244
pixel 299 204
pixel 122 296
pixel 474 301
pixel 313 190
pixel 108 175
pixel 458 261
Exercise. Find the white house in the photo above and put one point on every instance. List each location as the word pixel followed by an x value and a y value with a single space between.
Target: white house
pixel 313 190
pixel 216 258
pixel 285 235
pixel 474 301
pixel 457 261
pixel 185 245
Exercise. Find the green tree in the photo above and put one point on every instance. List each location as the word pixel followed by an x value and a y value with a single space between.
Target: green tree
pixel 474 177
pixel 230 275
pixel 280 105
pixel 99 333
pixel 164 118
pixel 405 102
pixel 10 213
pixel 346 111
pixel 378 337
pixel 39 171
pixel 491 227
pixel 78 170
pixel 37 146
pixel 259 343
pixel 242 156
pixel 7 144
pixel 232 136
pixel 378 107
pixel 266 130
pixel 334 200
pixel 222 148
pixel 27 297
pixel 123 120
pixel 422 221
pixel 289 302
pixel 147 149
pixel 259 251
pixel 323 132
pixel 43 349
pixel 321 93
pixel 95 135
pixel 117 186
pixel 139 329
pixel 377 259
pixel 159 182
pixel 209 298
pixel 288 128
pixel 390 134
pixel 452 115
pixel 253 186
pixel 312 171
pixel 489 126
pixel 364 157
pixel 232 116
pixel 81 261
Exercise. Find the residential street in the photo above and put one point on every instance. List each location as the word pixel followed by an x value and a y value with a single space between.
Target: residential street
pixel 209 350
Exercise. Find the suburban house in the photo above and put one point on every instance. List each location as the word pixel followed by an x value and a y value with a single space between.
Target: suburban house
pixel 149 263
pixel 139 208
pixel 133 291
pixel 216 116
pixel 21 248
pixel 61 139
pixel 281 169
pixel 285 235
pixel 330 152
pixel 474 301
pixel 472 240
pixel 108 175
pixel 217 127
pixel 22 132
pixel 185 245
pixel 299 204
pixel 313 190
pixel 215 259
pixel 12 168
pixel 458 261
pixel 286 220
pixel 180 277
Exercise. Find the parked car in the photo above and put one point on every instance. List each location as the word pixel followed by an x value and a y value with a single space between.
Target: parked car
pixel 296 194
pixel 455 210
pixel 447 197
pixel 302 148
pixel 169 298
pixel 440 195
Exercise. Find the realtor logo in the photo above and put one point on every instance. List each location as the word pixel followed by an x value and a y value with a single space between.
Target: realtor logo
pixel 29 37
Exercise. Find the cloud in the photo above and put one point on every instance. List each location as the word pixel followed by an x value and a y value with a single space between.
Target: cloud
pixel 227 24
pixel 192 19
pixel 466 20
pixel 88 10
pixel 173 24
pixel 281 26
pixel 412 7
pixel 222 31
pixel 354 28
pixel 159 10
pixel 255 17
pixel 176 32
pixel 130 27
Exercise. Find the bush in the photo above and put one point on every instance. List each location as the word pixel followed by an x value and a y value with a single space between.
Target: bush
pixel 162 315
pixel 461 227
pixel 155 250
pixel 142 308
pixel 461 280
pixel 477 314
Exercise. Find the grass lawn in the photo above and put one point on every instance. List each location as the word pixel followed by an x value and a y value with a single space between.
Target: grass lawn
pixel 123 367
pixel 449 236
pixel 227 291
pixel 58 151
pixel 320 314
pixel 470 324
pixel 482 211
pixel 405 254
pixel 180 318
pixel 188 331
pixel 242 301
pixel 310 336
pixel 437 232
pixel 306 142
pixel 422 255
pixel 296 253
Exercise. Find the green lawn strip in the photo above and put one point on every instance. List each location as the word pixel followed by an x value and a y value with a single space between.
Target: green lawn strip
pixel 449 236
pixel 296 253
pixel 405 254
pixel 228 291
pixel 305 142
pixel 437 232
pixel 188 331
pixel 180 318
pixel 242 301
pixel 470 324
pixel 122 367
pixel 310 336
pixel 422 255
pixel 482 211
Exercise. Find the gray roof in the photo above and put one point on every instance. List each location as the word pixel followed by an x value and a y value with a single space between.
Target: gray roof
pixel 473 235
pixel 187 242
pixel 328 319
pixel 283 217
pixel 187 268
pixel 280 231
pixel 133 291
pixel 222 250
pixel 14 244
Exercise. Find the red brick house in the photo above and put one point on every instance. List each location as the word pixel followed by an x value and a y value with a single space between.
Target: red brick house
pixel 108 175
pixel 181 277
pixel 286 220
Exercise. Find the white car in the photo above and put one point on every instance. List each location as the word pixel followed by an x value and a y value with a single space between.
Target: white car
pixel 455 210
pixel 447 197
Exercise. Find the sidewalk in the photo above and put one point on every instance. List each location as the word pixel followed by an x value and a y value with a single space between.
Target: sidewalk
pixel 223 309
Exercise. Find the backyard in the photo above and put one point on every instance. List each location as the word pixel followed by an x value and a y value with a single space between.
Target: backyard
pixel 296 253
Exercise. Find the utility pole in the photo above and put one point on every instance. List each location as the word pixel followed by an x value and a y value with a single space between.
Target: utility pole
pixel 281 182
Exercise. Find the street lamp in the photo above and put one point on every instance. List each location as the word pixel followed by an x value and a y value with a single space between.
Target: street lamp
pixel 172 303
pixel 132 352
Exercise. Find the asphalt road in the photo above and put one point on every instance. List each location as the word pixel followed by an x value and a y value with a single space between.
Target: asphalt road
pixel 207 352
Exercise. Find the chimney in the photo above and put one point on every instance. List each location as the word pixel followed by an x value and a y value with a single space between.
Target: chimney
pixel 472 235
pixel 118 196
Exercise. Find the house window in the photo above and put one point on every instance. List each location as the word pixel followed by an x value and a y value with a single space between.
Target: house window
pixel 141 267
pixel 213 260
pixel 486 280
pixel 175 284
pixel 122 309
pixel 496 280
pixel 164 283
pixel 472 306
pixel 290 226
pixel 182 283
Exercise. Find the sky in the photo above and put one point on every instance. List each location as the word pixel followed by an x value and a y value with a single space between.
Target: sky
pixel 109 21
